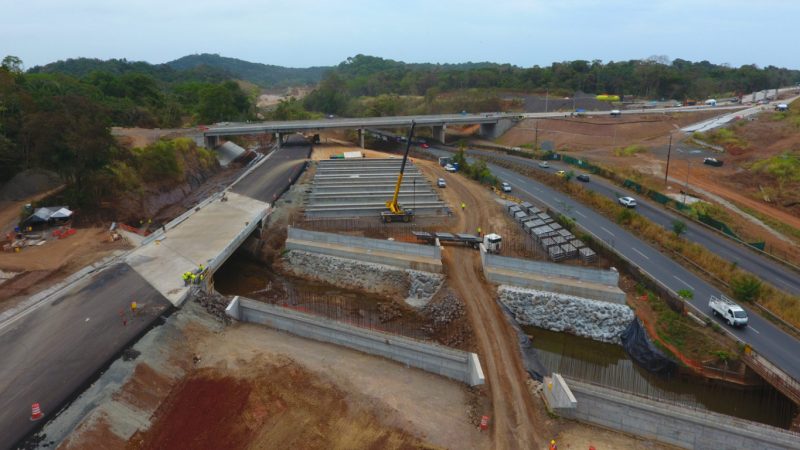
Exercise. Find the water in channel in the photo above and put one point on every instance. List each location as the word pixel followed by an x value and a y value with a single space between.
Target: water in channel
pixel 608 365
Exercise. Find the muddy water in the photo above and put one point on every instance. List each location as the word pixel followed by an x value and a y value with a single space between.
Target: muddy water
pixel 243 276
pixel 609 365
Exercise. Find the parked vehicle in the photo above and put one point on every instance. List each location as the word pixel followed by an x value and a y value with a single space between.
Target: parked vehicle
pixel 628 202
pixel 583 177
pixel 730 312
pixel 441 183
pixel 506 187
pixel 561 173
pixel 544 165
pixel 712 162
pixel 616 112
pixel 450 168
pixel 491 242
pixel 424 145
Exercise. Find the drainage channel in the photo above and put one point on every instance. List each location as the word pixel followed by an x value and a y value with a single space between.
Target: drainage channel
pixel 608 365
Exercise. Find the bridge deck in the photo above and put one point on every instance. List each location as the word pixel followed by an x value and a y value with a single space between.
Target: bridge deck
pixel 204 236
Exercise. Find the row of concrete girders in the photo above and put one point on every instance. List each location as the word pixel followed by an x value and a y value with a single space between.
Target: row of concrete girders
pixel 361 188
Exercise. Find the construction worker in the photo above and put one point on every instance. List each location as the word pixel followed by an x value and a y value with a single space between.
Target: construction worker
pixel 201 268
pixel 479 231
pixel 463 205
pixel 186 277
pixel 193 278
pixel 202 276
pixel 553 445
pixel 133 307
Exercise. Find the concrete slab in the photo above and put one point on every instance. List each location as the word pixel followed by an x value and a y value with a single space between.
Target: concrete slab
pixel 199 239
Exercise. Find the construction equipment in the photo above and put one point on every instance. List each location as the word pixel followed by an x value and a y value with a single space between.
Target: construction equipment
pixel 395 212
pixel 492 242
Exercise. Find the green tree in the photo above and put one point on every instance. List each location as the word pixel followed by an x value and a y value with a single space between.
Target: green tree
pixel 678 227
pixel 746 288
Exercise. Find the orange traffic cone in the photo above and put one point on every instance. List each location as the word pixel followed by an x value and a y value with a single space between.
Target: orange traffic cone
pixel 36 412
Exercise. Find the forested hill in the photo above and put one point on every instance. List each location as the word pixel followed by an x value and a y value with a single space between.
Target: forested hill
pixel 656 77
pixel 264 75
pixel 205 68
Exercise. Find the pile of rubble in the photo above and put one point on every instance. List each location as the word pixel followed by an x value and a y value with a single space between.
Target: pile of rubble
pixel 214 303
pixel 388 311
pixel 445 309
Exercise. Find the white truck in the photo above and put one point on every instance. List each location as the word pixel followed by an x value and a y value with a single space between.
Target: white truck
pixel 730 312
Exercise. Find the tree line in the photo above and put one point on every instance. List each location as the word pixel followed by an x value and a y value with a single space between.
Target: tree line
pixel 653 78
pixel 62 123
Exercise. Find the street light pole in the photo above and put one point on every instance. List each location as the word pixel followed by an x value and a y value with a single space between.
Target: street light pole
pixel 686 188
pixel 669 152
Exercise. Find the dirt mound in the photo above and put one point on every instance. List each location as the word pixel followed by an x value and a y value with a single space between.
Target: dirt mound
pixel 269 406
pixel 29 183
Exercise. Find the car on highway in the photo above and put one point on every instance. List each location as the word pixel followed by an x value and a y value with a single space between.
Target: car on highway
pixel 616 112
pixel 424 145
pixel 544 165
pixel 562 173
pixel 583 177
pixel 441 183
pixel 628 202
pixel 506 187
pixel 713 162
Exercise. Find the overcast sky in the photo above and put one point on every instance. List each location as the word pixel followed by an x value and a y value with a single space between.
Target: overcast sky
pixel 302 33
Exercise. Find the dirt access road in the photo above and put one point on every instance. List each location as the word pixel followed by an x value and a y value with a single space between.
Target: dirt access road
pixel 514 411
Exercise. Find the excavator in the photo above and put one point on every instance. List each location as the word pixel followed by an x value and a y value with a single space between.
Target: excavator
pixel 395 212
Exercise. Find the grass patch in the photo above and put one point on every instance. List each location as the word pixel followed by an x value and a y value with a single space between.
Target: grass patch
pixel 630 150
pixel 724 137
pixel 773 223
pixel 785 168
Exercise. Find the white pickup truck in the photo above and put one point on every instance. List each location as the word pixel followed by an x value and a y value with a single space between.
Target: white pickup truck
pixel 732 313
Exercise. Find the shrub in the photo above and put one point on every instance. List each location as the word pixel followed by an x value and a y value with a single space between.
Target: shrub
pixel 630 150
pixel 746 288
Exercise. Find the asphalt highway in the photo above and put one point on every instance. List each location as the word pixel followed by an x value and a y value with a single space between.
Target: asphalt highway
pixel 748 259
pixel 768 340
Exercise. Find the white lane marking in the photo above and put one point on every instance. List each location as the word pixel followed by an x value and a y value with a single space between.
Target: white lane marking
pixel 687 284
pixel 606 230
pixel 580 214
pixel 637 251
pixel 753 329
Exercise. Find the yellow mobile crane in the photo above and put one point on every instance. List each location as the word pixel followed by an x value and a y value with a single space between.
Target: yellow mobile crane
pixel 395 212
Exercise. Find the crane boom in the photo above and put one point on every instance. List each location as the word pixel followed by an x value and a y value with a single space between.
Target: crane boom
pixel 394 208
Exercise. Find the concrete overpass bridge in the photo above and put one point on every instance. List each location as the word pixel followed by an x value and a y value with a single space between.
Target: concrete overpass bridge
pixel 492 125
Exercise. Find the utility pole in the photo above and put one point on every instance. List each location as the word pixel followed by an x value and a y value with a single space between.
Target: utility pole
pixel 546 98
pixel 669 151
pixel 686 188
pixel 536 138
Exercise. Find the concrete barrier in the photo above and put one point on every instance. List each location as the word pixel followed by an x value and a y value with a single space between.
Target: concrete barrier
pixel 578 281
pixel 447 362
pixel 671 424
pixel 427 258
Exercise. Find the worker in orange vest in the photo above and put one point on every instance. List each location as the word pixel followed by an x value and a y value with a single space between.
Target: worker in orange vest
pixel 553 445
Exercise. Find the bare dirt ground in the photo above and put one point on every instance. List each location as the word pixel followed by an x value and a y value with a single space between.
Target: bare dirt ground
pixel 604 132
pixel 249 387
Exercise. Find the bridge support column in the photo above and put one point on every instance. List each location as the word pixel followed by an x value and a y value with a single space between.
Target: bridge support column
pixel 495 130
pixel 278 140
pixel 361 137
pixel 439 133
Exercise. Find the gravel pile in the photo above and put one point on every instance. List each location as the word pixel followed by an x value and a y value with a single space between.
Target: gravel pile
pixel 598 320
pixel 445 310
pixel 214 303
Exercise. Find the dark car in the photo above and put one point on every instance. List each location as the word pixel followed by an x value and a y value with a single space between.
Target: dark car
pixel 712 162
pixel 583 177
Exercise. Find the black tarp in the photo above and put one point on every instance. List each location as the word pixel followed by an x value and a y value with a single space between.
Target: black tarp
pixel 530 359
pixel 643 352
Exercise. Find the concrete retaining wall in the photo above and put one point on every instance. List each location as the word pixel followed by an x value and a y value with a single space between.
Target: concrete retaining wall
pixel 450 363
pixel 427 258
pixel 577 281
pixel 671 424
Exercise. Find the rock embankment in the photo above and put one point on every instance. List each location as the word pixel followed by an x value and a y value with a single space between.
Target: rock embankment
pixel 416 287
pixel 598 320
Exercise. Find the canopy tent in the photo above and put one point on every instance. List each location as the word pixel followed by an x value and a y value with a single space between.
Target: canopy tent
pixel 46 214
